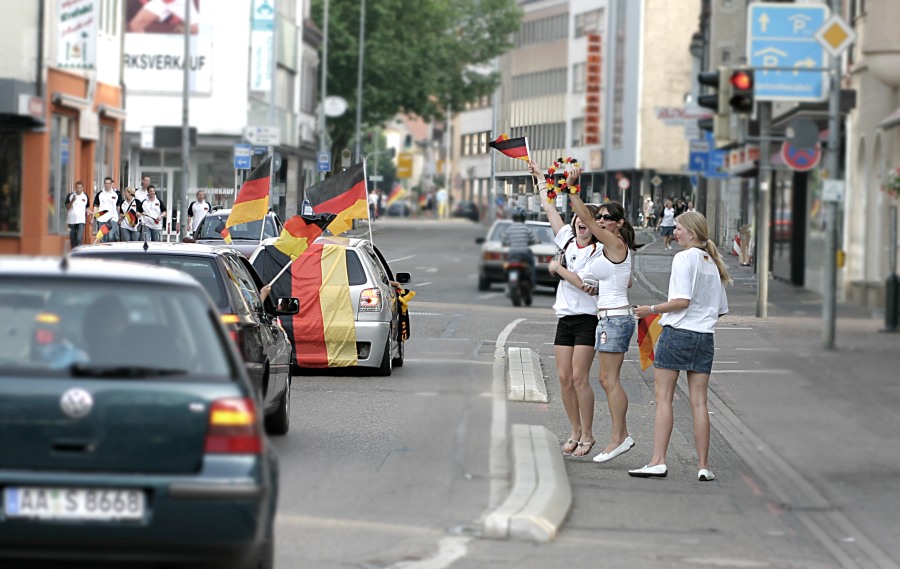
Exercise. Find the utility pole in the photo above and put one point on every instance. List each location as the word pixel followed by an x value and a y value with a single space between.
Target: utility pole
pixel 764 206
pixel 323 146
pixel 185 128
pixel 359 78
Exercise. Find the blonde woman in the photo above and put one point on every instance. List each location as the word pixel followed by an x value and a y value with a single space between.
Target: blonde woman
pixel 696 301
pixel 666 225
pixel 129 219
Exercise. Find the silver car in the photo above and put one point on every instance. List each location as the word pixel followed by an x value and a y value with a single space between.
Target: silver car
pixel 376 308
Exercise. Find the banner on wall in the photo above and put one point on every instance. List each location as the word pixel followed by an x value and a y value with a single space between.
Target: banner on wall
pixel 77 32
pixel 154 46
pixel 262 45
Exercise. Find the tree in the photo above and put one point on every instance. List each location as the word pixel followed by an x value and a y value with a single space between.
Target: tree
pixel 422 57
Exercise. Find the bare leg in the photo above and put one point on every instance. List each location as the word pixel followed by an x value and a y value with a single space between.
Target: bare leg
pixel 582 359
pixel 610 375
pixel 698 384
pixel 664 380
pixel 567 393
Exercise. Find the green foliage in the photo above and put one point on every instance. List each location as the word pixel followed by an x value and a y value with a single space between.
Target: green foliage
pixel 381 164
pixel 421 56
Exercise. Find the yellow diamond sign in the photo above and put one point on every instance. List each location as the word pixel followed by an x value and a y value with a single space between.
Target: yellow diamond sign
pixel 835 35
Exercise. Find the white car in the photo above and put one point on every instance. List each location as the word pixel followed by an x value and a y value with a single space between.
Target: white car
pixel 494 254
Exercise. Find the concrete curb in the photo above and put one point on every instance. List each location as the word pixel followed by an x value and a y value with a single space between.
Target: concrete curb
pixel 526 380
pixel 541 494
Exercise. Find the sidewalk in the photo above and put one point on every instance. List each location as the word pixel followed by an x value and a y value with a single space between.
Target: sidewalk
pixel 804 445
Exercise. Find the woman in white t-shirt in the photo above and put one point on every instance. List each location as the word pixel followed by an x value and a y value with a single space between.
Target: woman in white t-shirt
pixel 573 345
pixel 696 301
pixel 666 224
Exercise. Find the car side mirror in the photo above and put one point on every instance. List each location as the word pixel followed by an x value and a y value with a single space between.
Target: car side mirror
pixel 479 240
pixel 404 278
pixel 287 305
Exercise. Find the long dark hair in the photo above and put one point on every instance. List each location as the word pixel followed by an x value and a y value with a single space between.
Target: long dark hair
pixel 616 210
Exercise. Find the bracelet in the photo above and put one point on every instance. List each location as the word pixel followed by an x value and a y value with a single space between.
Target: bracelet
pixel 652 309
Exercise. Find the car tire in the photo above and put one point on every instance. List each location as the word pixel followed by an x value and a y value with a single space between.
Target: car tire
pixel 401 351
pixel 279 423
pixel 483 283
pixel 386 367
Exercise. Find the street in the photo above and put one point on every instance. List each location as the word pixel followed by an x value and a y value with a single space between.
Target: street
pixel 394 472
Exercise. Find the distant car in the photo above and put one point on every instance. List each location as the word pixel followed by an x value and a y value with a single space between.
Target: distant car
pixel 494 254
pixel 233 285
pixel 128 425
pixel 466 209
pixel 400 208
pixel 245 237
pixel 376 311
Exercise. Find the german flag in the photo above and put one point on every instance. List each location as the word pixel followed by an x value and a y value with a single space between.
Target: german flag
pixel 300 231
pixel 397 192
pixel 344 195
pixel 226 235
pixel 104 229
pixel 252 201
pixel 131 218
pixel 512 147
pixel 100 213
pixel 648 332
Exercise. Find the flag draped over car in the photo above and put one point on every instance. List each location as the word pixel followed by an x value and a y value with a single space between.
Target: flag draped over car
pixel 300 231
pixel 324 331
pixel 344 195
pixel 648 332
pixel 252 201
pixel 512 147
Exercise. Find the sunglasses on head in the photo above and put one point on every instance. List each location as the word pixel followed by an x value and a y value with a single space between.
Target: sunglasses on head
pixel 607 217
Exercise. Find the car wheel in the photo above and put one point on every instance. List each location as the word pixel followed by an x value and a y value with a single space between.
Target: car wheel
pixel 483 283
pixel 386 368
pixel 401 353
pixel 280 422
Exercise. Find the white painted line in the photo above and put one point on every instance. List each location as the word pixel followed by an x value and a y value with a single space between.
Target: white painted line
pixel 426 393
pixel 446 361
pixel 772 371
pixel 498 461
pixel 719 328
pixel 400 259
pixel 488 295
pixel 424 284
pixel 450 550
pixel 425 313
pixel 756 349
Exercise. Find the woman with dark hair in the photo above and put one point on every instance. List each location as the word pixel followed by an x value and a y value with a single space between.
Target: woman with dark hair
pixel 616 324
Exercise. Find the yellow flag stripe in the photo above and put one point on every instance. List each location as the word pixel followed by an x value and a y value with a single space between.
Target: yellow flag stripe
pixel 248 211
pixel 344 219
pixel 337 308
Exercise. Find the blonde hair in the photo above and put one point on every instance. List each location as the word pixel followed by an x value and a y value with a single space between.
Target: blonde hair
pixel 695 222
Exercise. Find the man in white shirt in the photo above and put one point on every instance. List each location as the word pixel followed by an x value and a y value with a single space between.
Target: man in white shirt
pixel 76 214
pixel 141 194
pixel 197 210
pixel 106 209
pixel 153 212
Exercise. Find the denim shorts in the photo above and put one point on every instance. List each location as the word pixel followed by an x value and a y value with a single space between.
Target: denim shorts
pixel 667 230
pixel 684 350
pixel 576 330
pixel 614 333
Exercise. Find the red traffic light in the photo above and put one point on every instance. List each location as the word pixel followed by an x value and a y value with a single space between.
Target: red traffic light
pixel 742 80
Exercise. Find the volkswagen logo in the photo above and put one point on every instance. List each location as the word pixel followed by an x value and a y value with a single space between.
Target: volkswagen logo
pixel 76 403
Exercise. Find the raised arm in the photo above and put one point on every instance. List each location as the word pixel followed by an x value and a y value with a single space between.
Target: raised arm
pixel 556 220
pixel 610 241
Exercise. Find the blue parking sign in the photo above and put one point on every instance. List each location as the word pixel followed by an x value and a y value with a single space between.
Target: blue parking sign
pixel 324 162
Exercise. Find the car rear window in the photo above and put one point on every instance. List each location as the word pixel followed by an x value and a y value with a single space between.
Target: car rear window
pixel 53 326
pixel 212 225
pixel 356 274
pixel 543 233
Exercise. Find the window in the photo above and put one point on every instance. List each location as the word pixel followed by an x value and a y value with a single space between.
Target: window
pixel 543 31
pixel 539 84
pixel 578 77
pixel 577 132
pixel 588 23
pixel 308 90
pixel 726 56
pixel 62 146
pixel 10 182
pixel 244 282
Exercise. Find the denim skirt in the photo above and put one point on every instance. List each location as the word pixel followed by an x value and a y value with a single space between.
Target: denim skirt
pixel 684 350
pixel 614 333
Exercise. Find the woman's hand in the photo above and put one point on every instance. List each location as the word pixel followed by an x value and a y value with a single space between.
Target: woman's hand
pixel 554 266
pixel 534 169
pixel 591 290
pixel 264 292
pixel 642 311
pixel 574 175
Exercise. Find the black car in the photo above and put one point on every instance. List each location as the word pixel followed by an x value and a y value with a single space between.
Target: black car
pixel 400 208
pixel 245 237
pixel 466 209
pixel 232 283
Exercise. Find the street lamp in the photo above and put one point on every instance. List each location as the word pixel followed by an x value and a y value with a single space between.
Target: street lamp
pixel 359 78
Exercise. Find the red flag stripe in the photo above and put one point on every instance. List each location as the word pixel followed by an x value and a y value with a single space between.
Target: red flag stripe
pixel 343 201
pixel 309 324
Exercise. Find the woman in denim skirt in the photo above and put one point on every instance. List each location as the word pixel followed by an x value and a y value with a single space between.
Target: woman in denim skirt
pixel 616 324
pixel 696 301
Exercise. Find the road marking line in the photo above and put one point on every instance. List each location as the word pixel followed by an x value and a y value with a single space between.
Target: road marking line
pixel 772 371
pixel 756 349
pixel 344 523
pixel 718 328
pixel 400 259
pixel 488 295
pixel 450 550
pixel 445 361
pixel 424 284
pixel 425 313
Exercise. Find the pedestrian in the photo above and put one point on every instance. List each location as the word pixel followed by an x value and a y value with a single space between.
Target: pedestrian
pixel 76 214
pixel 197 211
pixel 379 205
pixel 666 225
pixel 373 205
pixel 106 209
pixel 680 207
pixel 576 325
pixel 130 221
pixel 650 214
pixel 153 212
pixel 690 206
pixel 695 302
pixel 616 324
pixel 141 193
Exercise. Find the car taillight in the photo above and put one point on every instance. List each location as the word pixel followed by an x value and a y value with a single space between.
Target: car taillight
pixel 494 256
pixel 233 427
pixel 43 337
pixel 545 258
pixel 231 322
pixel 370 300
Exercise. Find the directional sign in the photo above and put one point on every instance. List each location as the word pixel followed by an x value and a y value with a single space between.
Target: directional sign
pixel 242 156
pixel 265 135
pixel 782 47
pixel 323 159
pixel 801 159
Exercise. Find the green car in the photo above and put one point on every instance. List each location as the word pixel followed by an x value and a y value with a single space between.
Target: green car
pixel 128 426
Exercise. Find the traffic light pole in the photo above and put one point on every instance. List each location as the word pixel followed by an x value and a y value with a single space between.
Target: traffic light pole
pixel 764 206
pixel 829 292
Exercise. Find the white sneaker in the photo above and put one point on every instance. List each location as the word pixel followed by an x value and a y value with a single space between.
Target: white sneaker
pixel 705 475
pixel 655 471
pixel 626 446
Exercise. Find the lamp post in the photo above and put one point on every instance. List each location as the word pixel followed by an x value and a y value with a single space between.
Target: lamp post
pixel 359 76
pixel 323 145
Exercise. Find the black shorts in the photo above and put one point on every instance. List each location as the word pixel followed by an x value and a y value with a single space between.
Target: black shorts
pixel 576 330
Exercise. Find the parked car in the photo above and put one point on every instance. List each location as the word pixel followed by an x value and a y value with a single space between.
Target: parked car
pixel 245 237
pixel 233 285
pixel 399 208
pixel 375 307
pixel 128 424
pixel 467 210
pixel 494 254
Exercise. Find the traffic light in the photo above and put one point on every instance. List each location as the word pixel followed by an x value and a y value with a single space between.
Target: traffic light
pixel 742 85
pixel 718 101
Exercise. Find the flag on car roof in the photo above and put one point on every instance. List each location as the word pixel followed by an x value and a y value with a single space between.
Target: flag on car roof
pixel 397 192
pixel 648 332
pixel 252 201
pixel 344 195
pixel 512 147
pixel 300 231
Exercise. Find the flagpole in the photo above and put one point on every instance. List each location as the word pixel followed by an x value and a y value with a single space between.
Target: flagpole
pixel 528 153
pixel 368 209
pixel 262 228
pixel 283 269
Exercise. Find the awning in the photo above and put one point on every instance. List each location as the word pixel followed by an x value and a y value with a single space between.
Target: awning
pixel 112 112
pixel 72 102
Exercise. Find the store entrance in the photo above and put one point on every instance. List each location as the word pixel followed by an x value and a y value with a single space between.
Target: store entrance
pixel 168 189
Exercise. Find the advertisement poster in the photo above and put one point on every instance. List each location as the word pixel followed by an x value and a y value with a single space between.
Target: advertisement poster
pixel 154 46
pixel 77 45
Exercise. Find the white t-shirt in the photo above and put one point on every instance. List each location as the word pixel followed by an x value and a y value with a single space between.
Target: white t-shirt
pixel 76 213
pixel 696 278
pixel 612 279
pixel 152 210
pixel 140 195
pixel 571 300
pixel 109 202
pixel 668 219
pixel 197 211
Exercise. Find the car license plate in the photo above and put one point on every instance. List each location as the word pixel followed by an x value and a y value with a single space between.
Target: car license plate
pixel 74 503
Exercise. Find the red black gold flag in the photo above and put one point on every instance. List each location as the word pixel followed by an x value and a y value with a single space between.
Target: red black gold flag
pixel 226 235
pixel 648 332
pixel 300 231
pixel 101 233
pixel 512 147
pixel 252 201
pixel 344 195
pixel 100 213
pixel 132 217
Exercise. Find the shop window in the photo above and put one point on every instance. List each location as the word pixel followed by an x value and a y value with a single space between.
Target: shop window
pixel 62 154
pixel 106 148
pixel 10 183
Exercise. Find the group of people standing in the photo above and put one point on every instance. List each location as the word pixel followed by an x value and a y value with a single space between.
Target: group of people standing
pixel 595 315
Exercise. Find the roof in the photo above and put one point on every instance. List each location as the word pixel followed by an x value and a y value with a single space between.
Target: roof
pixel 153 247
pixel 83 268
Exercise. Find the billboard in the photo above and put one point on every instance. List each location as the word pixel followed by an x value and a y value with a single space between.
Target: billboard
pixel 77 30
pixel 154 46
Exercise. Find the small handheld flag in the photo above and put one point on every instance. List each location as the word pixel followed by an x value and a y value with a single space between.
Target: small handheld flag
pixel 104 229
pixel 100 213
pixel 397 192
pixel 512 147
pixel 648 332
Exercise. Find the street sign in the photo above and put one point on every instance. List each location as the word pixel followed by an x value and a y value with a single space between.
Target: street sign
pixel 265 135
pixel 242 156
pixel 656 181
pixel 783 37
pixel 335 106
pixel 801 159
pixel 323 161
pixel 833 191
pixel 705 159
pixel 836 36
pixel 404 165
pixel 375 178
pixel 624 184
pixel 257 150
pixel 698 161
pixel 346 156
